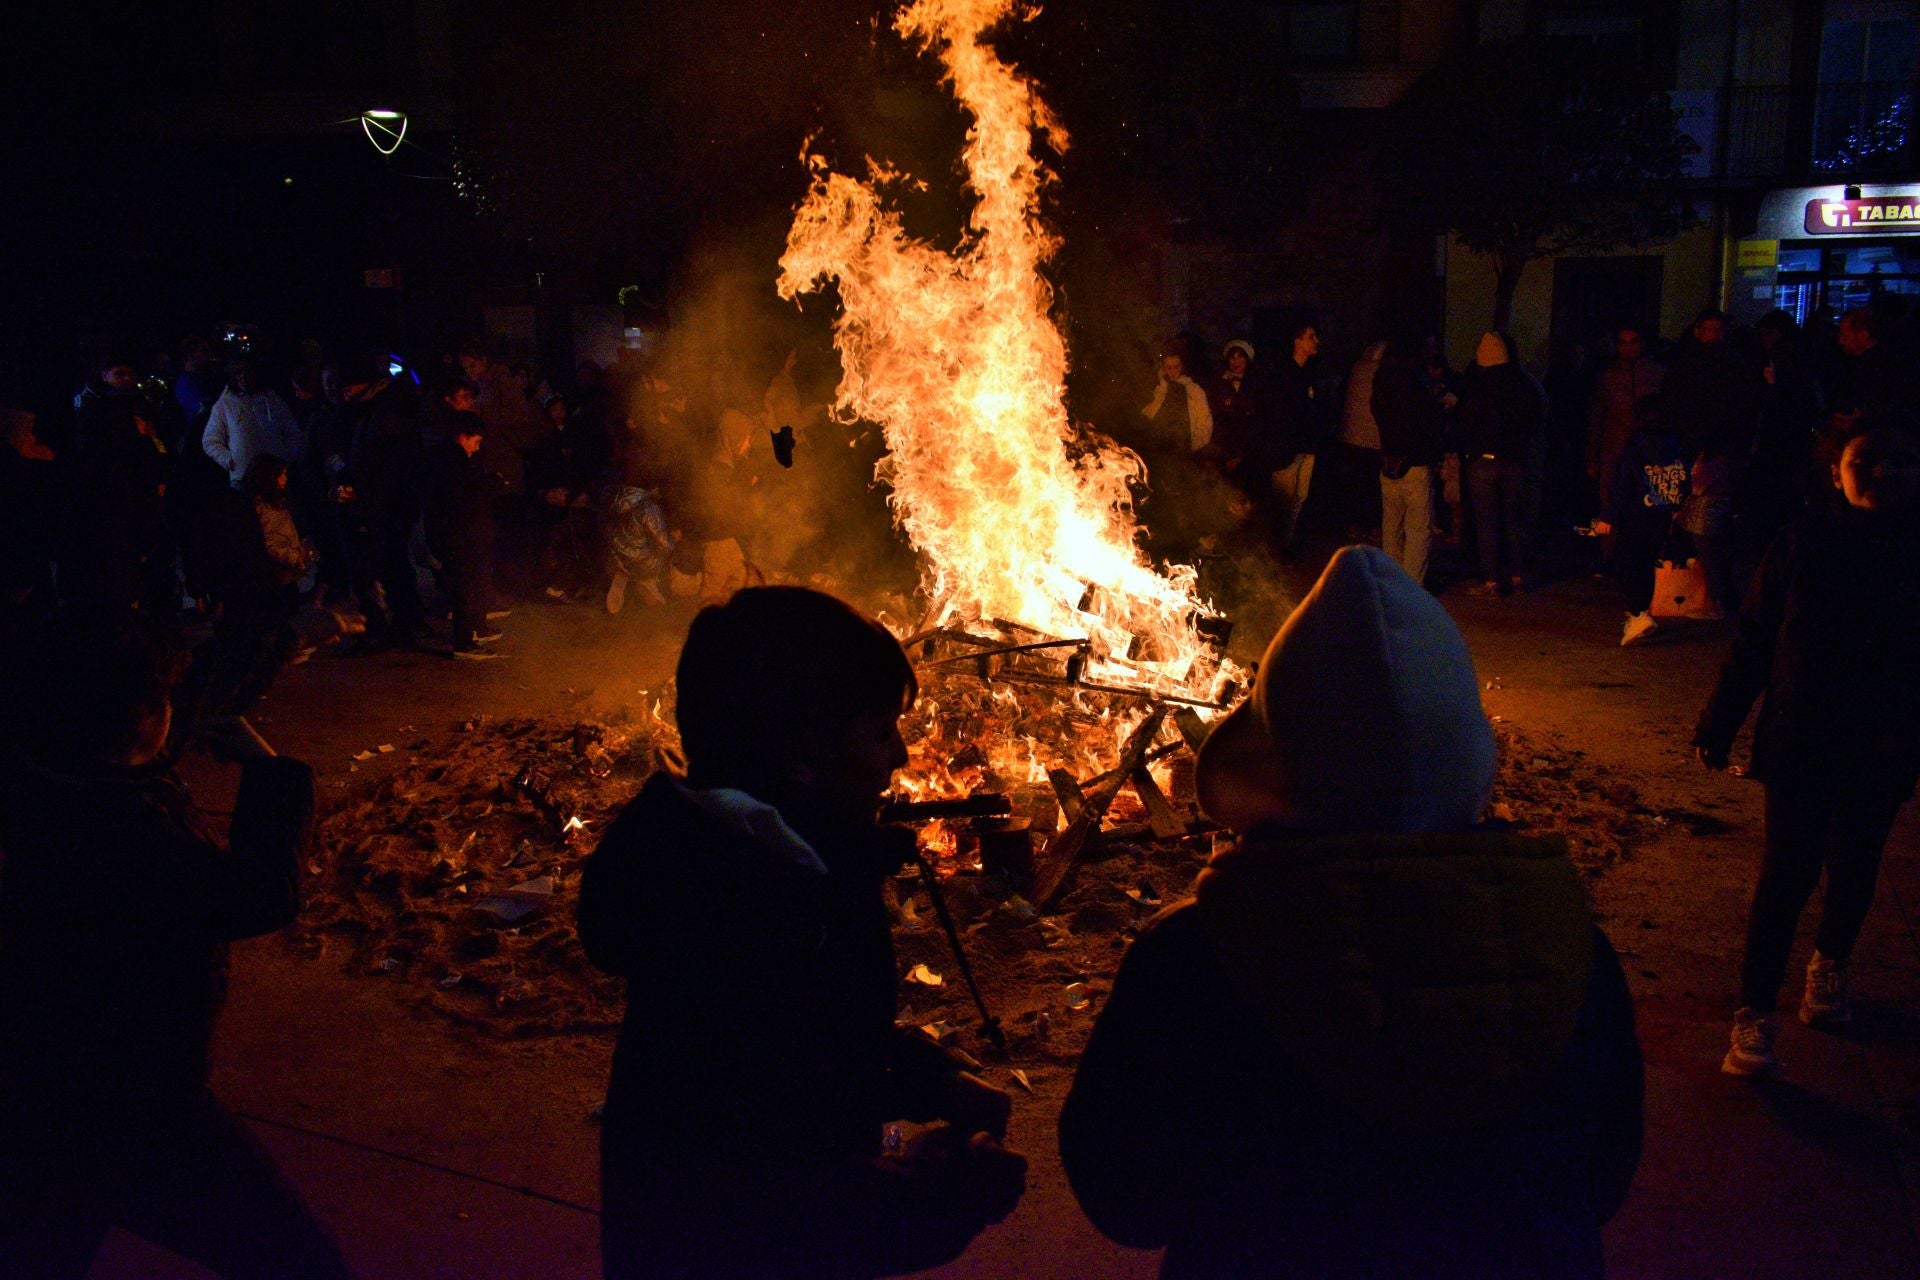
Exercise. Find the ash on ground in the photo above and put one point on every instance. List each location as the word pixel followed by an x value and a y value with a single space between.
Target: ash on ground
pixel 455 878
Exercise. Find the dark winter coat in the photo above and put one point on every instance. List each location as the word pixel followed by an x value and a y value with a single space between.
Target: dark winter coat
pixel 572 457
pixel 1829 632
pixel 1713 399
pixel 460 514
pixel 330 434
pixel 1240 413
pixel 760 993
pixel 1299 415
pixel 119 547
pixel 1364 1056
pixel 1878 386
pixel 1500 412
pixel 758 1060
pixel 116 907
pixel 1649 478
pixel 1614 406
pixel 1412 424
pixel 387 466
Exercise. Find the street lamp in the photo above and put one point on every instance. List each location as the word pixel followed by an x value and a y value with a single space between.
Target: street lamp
pixel 385 129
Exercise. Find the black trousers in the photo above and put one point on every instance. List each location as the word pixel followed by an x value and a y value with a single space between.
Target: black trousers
pixel 199 1185
pixel 1637 542
pixel 389 559
pixel 1814 824
pixel 1497 486
pixel 467 579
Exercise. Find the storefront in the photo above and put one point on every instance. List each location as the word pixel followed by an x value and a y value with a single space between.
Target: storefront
pixel 1827 249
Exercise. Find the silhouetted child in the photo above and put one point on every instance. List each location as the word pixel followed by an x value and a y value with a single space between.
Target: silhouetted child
pixel 116 908
pixel 741 899
pixel 1644 493
pixel 460 529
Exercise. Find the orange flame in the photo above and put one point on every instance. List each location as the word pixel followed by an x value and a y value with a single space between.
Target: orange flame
pixel 1016 513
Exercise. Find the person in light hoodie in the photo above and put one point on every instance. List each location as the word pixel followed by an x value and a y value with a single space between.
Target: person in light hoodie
pixel 247 421
pixel 1384 1038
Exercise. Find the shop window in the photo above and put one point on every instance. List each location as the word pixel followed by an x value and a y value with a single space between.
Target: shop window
pixel 1799 260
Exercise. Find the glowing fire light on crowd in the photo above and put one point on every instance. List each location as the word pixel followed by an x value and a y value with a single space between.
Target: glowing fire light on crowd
pixel 1016 513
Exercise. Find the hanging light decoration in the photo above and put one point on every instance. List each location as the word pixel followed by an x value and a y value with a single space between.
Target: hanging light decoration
pixel 385 129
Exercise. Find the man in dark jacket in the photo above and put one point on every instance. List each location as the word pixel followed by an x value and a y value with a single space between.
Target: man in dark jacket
pixel 1412 438
pixel 1712 392
pixel 1501 413
pixel 386 473
pixel 742 902
pixel 460 529
pixel 1383 1039
pixel 116 908
pixel 1873 384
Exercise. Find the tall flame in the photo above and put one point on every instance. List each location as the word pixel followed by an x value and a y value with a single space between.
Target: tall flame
pixel 1017 514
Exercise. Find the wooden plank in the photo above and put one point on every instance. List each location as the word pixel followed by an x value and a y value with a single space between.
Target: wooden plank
pixel 1165 822
pixel 1057 860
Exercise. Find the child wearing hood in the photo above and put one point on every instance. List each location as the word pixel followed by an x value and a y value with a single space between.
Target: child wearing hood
pixel 741 897
pixel 1384 1038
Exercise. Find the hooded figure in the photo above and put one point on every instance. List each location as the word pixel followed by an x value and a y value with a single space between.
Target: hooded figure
pixel 1381 1040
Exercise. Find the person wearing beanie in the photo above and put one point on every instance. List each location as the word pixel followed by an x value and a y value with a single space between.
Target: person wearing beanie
pixel 1384 1037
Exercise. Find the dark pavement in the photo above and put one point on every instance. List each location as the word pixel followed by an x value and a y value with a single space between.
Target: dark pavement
pixel 438 1152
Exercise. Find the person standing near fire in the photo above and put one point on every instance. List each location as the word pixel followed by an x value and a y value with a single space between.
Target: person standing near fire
pixel 117 906
pixel 1828 634
pixel 1302 420
pixel 740 895
pixel 1385 1037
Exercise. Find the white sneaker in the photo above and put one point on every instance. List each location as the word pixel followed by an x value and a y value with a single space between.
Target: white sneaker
pixel 1639 627
pixel 1751 1051
pixel 616 593
pixel 1826 1001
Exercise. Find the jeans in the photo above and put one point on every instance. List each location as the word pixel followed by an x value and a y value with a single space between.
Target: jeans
pixel 1498 486
pixel 1290 485
pixel 1814 823
pixel 1406 519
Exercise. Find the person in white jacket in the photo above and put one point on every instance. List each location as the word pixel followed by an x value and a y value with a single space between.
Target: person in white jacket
pixel 247 421
pixel 1187 415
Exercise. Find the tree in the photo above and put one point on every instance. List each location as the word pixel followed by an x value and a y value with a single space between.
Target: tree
pixel 1529 148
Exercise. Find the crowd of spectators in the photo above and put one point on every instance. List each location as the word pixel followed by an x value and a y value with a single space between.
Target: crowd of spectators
pixel 286 507
pixel 1695 452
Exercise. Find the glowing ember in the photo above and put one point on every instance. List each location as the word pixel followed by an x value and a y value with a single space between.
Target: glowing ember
pixel 1018 515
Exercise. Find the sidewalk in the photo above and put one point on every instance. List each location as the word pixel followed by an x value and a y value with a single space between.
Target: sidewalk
pixel 437 1152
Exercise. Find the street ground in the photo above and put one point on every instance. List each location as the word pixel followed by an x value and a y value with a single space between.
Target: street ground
pixel 435 1150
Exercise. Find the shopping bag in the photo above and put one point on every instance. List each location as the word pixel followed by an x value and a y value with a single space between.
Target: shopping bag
pixel 1679 588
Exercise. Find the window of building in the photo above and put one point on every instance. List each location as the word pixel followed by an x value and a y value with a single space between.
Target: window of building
pixel 1315 30
pixel 1866 85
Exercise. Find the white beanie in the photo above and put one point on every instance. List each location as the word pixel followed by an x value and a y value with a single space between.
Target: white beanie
pixel 1365 715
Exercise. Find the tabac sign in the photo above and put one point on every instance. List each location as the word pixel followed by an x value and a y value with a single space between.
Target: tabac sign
pixel 1868 215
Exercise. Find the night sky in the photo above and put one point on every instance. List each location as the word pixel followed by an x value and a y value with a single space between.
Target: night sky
pixel 597 144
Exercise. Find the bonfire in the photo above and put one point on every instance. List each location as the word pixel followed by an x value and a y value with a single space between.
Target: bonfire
pixel 1035 583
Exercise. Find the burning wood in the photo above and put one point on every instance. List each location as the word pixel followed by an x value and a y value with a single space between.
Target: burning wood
pixel 1057 860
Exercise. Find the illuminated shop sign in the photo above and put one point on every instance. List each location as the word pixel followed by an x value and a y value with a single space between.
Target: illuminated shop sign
pixel 1864 216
